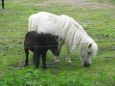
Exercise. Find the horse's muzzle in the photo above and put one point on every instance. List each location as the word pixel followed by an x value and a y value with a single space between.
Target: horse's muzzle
pixel 86 64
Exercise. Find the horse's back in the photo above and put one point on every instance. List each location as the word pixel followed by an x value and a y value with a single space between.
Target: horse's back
pixel 43 22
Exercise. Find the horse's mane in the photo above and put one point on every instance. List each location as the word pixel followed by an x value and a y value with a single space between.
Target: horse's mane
pixel 74 35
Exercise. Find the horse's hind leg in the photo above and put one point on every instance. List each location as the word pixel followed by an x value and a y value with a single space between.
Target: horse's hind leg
pixel 68 59
pixel 27 54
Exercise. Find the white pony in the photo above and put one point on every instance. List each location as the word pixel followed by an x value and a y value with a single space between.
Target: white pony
pixel 69 32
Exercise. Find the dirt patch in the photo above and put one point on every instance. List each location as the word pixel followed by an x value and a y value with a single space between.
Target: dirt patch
pixel 80 3
pixel 76 3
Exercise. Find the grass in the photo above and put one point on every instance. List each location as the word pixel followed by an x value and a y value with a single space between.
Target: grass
pixel 99 23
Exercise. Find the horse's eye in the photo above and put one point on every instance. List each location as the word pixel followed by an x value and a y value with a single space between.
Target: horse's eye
pixel 89 53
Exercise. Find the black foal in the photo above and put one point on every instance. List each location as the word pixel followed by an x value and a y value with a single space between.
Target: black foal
pixel 39 43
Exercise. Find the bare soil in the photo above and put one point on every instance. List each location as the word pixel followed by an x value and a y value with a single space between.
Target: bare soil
pixel 73 3
pixel 78 3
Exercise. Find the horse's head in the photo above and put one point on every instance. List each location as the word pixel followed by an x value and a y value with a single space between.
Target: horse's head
pixel 86 54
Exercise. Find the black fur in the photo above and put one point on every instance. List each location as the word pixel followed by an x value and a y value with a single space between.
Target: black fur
pixel 39 45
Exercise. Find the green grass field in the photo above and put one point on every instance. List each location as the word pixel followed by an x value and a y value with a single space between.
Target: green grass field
pixel 98 23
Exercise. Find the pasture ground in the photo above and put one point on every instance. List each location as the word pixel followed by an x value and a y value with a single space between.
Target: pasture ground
pixel 98 19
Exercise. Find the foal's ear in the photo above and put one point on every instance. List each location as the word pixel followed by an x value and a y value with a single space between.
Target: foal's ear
pixel 90 45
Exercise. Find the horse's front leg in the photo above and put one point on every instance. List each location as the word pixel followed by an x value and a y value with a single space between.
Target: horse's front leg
pixel 68 57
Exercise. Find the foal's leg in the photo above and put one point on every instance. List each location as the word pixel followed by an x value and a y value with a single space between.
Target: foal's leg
pixel 68 59
pixel 44 59
pixel 27 53
pixel 56 58
pixel 36 58
pixel 56 52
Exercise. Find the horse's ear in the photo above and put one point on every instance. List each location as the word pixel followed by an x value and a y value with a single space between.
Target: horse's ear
pixel 90 45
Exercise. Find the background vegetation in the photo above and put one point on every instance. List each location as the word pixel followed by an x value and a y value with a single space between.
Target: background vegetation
pixel 99 23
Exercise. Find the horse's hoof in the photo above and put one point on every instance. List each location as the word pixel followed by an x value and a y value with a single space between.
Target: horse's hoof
pixel 57 61
pixel 69 61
